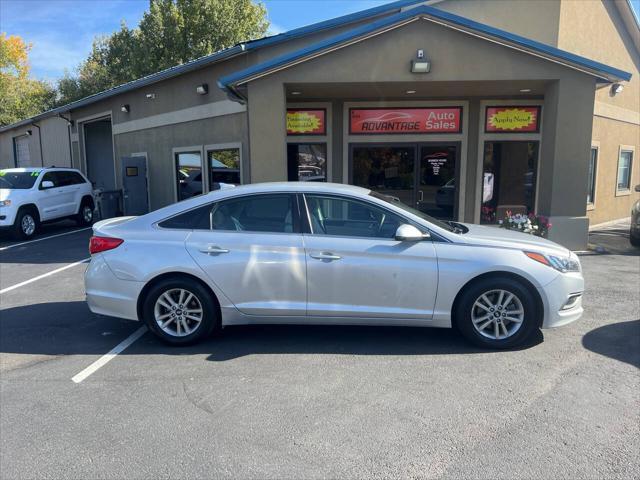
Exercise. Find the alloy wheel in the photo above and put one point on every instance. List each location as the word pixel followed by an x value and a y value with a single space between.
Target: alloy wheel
pixel 28 225
pixel 178 312
pixel 497 314
pixel 87 213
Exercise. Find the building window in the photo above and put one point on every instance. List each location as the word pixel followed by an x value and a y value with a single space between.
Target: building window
pixel 509 179
pixel 307 162
pixel 625 163
pixel 188 174
pixel 224 166
pixel 591 185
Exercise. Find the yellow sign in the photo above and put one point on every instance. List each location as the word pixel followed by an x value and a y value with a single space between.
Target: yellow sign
pixel 310 122
pixel 523 119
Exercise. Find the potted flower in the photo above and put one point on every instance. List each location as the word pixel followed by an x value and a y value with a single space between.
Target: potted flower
pixel 533 224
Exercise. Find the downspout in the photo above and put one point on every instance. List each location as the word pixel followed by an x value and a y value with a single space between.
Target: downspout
pixel 40 141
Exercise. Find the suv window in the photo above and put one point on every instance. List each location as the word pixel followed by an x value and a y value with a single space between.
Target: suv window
pixel 350 218
pixel 255 213
pixel 196 219
pixel 74 177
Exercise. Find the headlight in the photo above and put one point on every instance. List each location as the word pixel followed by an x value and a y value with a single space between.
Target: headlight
pixel 562 264
pixel 5 203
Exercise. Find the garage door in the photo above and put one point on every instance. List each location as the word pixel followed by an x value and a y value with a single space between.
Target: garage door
pixel 23 157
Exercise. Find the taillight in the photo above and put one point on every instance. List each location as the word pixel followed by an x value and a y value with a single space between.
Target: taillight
pixel 102 244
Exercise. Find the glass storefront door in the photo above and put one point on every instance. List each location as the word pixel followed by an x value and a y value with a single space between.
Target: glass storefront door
pixel 420 175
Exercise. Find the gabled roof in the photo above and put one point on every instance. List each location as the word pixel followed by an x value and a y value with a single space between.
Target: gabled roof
pixel 602 72
pixel 221 55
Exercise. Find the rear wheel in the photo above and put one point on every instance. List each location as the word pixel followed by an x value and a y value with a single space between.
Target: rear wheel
pixel 180 311
pixel 84 218
pixel 26 224
pixel 497 312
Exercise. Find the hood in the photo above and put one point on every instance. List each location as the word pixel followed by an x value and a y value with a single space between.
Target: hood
pixel 503 238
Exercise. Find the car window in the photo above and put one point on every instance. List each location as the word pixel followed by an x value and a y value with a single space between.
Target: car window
pixel 74 177
pixel 350 218
pixel 195 219
pixel 255 213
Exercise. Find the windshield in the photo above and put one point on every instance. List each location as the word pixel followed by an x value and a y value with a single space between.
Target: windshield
pixel 18 180
pixel 396 201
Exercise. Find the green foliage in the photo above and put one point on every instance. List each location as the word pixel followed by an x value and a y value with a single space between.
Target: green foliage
pixel 170 33
pixel 20 96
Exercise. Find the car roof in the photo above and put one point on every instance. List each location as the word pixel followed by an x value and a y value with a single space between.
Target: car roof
pixel 38 169
pixel 323 187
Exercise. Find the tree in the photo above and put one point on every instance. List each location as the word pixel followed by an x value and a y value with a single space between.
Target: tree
pixel 170 33
pixel 20 96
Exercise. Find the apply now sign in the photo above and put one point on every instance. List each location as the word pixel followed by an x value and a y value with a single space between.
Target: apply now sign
pixel 523 119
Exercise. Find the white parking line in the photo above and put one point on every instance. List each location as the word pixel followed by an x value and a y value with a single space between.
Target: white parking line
pixel 107 357
pixel 43 238
pixel 39 277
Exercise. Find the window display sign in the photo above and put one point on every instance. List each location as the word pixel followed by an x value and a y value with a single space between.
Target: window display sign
pixel 367 121
pixel 306 122
pixel 517 119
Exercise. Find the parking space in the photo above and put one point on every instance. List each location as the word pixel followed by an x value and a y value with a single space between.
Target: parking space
pixel 291 402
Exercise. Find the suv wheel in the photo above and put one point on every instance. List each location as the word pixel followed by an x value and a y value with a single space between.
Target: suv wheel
pixel 26 224
pixel 180 311
pixel 497 312
pixel 84 217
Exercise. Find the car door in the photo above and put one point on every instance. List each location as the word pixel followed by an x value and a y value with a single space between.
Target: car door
pixel 71 183
pixel 356 268
pixel 255 254
pixel 52 202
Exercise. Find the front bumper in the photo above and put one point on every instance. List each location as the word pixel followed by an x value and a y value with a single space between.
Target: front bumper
pixel 7 216
pixel 109 295
pixel 555 296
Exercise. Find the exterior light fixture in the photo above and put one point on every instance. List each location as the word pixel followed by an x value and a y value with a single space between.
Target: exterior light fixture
pixel 29 133
pixel 125 108
pixel 151 96
pixel 410 92
pixel 296 93
pixel 202 89
pixel 421 65
pixel 616 88
pixel 525 90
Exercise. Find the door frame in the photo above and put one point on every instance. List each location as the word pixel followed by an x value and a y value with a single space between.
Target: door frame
pixel 416 167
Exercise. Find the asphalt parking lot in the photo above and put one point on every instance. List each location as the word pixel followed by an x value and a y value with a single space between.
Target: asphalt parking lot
pixel 309 402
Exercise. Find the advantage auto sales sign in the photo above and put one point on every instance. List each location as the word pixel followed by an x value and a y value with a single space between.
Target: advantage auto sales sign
pixel 367 121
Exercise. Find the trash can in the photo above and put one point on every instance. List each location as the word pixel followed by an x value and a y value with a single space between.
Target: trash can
pixel 108 202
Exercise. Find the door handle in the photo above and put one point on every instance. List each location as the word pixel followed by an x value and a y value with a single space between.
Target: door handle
pixel 325 256
pixel 214 250
pixel 420 196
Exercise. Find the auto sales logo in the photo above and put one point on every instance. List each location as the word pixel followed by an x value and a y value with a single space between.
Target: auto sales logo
pixel 405 120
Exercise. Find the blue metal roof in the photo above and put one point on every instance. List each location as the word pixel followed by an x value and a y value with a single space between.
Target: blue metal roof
pixel 600 70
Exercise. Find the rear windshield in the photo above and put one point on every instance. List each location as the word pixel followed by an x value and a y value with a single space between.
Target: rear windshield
pixel 18 180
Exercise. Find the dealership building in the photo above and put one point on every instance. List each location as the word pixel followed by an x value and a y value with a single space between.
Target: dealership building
pixel 464 109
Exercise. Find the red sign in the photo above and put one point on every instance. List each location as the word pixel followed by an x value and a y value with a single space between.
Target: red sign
pixel 365 121
pixel 301 121
pixel 512 119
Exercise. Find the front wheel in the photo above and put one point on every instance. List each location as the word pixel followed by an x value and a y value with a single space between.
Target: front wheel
pixel 25 225
pixel 497 312
pixel 180 311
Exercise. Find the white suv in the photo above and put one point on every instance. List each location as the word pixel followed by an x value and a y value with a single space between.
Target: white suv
pixel 30 196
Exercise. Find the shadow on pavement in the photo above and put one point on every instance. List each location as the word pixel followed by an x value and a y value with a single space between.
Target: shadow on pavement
pixel 71 329
pixel 620 341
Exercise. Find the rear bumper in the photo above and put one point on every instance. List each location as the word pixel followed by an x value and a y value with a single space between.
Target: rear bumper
pixel 107 294
pixel 555 296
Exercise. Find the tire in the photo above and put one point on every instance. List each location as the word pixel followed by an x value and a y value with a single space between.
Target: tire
pixel 84 217
pixel 635 241
pixel 475 305
pixel 26 225
pixel 165 295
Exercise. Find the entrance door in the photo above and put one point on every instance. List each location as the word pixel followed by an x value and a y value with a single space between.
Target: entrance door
pixel 437 194
pixel 420 175
pixel 134 184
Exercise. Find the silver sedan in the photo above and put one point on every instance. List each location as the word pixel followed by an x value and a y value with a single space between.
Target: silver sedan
pixel 326 254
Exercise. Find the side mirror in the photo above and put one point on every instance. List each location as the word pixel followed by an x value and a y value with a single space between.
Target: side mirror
pixel 47 184
pixel 637 189
pixel 409 233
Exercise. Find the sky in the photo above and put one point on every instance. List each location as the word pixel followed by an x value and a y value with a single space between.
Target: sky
pixel 61 31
